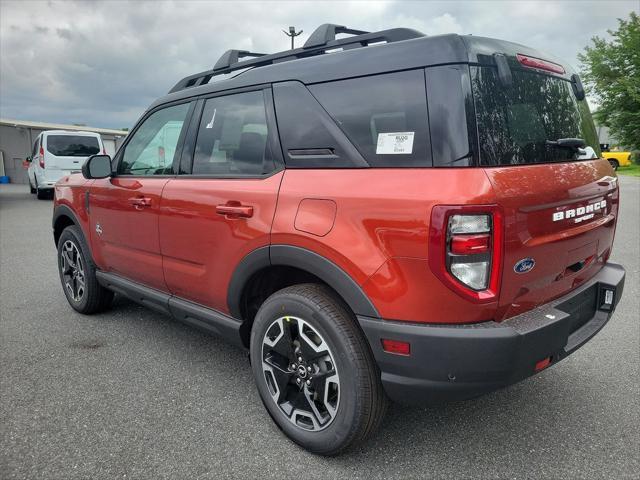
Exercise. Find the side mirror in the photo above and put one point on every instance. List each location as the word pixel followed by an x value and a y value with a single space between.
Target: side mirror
pixel 29 159
pixel 96 167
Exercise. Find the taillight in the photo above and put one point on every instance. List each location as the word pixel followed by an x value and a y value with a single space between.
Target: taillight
pixel 41 157
pixel 539 64
pixel 465 249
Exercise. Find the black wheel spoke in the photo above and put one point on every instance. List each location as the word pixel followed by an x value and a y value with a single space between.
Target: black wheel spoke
pixel 284 346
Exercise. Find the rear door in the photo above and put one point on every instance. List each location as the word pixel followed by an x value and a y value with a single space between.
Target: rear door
pixel 124 209
pixel 67 152
pixel 560 210
pixel 222 206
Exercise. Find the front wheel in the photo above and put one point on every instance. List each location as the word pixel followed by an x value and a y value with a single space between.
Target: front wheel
pixel 614 164
pixel 78 274
pixel 315 371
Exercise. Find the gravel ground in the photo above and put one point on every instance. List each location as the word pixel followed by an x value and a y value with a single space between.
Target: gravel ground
pixel 133 394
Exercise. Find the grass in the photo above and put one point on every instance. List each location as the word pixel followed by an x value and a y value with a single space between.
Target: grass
pixel 632 170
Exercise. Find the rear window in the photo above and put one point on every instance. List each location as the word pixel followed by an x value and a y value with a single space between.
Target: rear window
pixel 515 123
pixel 72 145
pixel 385 116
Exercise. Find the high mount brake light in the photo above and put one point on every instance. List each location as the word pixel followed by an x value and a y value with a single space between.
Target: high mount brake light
pixel 41 161
pixel 540 64
pixel 465 249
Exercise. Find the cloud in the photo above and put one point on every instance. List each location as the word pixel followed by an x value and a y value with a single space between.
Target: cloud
pixel 103 63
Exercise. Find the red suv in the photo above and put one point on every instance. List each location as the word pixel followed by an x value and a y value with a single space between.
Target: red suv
pixel 386 215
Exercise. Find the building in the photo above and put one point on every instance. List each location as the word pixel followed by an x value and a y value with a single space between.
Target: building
pixel 17 138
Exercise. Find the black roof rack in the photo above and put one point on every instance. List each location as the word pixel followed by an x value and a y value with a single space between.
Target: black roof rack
pixel 321 40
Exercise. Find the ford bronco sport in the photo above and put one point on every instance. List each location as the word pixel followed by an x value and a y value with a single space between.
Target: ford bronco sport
pixel 380 216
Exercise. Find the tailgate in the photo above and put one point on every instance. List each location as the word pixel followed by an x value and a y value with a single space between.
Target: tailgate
pixel 559 227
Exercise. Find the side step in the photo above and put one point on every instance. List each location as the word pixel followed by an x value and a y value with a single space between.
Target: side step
pixel 203 318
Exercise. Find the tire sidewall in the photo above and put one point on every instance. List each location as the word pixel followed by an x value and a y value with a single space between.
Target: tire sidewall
pixel 342 425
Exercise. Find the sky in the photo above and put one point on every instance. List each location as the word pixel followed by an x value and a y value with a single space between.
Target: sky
pixel 102 63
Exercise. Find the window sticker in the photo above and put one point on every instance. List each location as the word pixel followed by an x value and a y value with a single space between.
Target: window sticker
pixel 210 124
pixel 396 143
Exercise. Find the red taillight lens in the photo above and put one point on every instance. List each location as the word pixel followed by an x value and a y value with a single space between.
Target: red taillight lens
pixel 470 244
pixel 465 249
pixel 41 157
pixel 540 64
pixel 396 346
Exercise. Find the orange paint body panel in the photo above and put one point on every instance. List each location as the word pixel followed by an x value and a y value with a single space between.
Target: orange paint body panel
pixel 200 247
pixel 381 231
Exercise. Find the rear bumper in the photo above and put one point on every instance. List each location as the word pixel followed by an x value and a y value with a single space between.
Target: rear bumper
pixel 463 361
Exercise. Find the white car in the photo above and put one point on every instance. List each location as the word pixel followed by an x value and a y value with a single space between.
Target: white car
pixel 57 153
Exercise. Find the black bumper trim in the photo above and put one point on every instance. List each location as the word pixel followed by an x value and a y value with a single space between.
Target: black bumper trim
pixel 456 362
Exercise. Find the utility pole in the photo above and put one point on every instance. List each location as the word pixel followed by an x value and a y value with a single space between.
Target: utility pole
pixel 292 33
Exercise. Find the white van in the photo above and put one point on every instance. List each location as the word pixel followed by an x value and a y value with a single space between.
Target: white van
pixel 57 153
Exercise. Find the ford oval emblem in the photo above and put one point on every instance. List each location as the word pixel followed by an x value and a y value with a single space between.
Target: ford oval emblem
pixel 525 265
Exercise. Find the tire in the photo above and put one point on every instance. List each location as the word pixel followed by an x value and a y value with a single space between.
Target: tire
pixel 40 194
pixel 614 164
pixel 74 256
pixel 354 404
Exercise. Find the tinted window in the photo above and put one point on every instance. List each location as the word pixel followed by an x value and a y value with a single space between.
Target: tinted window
pixel 152 148
pixel 449 98
pixel 385 116
pixel 35 148
pixel 515 123
pixel 72 145
pixel 310 137
pixel 233 137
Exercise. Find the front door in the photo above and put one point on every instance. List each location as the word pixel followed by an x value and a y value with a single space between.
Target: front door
pixel 124 209
pixel 222 209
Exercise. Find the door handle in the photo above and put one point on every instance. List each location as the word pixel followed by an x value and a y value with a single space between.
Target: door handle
pixel 140 202
pixel 233 209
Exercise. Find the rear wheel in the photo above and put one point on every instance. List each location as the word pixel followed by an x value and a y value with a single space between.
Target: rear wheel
pixel 314 370
pixel 78 274
pixel 614 164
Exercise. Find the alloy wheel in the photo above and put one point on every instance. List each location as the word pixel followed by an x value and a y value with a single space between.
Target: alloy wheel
pixel 301 373
pixel 72 270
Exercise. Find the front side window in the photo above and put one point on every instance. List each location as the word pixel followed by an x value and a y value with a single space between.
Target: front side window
pixel 520 123
pixel 72 145
pixel 35 148
pixel 385 116
pixel 233 137
pixel 152 148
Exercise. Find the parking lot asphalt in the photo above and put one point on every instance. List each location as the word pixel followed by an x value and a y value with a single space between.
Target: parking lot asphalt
pixel 133 394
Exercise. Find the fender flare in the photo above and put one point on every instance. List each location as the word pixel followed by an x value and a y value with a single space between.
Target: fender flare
pixel 63 210
pixel 311 262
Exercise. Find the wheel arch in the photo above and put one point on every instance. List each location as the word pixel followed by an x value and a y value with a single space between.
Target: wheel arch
pixel 63 217
pixel 271 268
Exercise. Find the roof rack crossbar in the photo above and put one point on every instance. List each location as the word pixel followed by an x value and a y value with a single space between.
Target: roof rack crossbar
pixel 327 32
pixel 230 57
pixel 230 60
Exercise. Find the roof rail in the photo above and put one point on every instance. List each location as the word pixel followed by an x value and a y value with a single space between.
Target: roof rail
pixel 321 41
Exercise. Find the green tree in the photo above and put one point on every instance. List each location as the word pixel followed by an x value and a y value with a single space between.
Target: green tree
pixel 611 73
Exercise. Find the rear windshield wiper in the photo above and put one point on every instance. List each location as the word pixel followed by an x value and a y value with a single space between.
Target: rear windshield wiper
pixel 571 143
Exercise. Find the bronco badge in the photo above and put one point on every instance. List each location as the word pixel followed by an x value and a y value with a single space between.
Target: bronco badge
pixel 525 265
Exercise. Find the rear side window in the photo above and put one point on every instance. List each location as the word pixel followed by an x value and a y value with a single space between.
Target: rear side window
pixel 233 138
pixel 516 123
pixel 385 116
pixel 72 145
